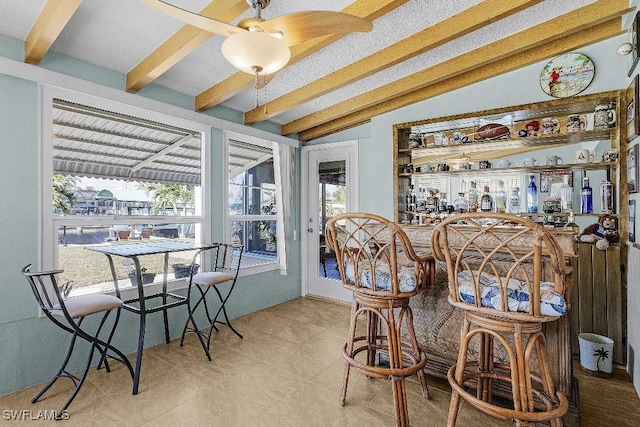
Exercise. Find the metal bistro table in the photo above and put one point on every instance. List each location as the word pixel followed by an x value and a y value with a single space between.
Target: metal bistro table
pixel 169 300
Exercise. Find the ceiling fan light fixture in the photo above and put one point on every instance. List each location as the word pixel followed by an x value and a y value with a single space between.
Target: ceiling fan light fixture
pixel 250 51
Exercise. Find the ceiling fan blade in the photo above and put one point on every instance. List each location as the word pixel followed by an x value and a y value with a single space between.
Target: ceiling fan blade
pixel 207 24
pixel 302 26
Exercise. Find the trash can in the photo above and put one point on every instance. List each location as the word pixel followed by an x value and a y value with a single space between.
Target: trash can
pixel 596 353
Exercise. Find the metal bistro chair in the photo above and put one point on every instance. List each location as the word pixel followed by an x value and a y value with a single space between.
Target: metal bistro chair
pixel 377 262
pixel 68 314
pixel 225 259
pixel 509 276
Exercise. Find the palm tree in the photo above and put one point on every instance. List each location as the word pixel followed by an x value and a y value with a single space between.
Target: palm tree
pixel 170 196
pixel 63 198
pixel 602 354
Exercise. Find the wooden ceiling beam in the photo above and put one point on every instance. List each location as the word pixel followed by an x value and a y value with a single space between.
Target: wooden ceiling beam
pixel 52 19
pixel 537 36
pixel 234 84
pixel 518 60
pixel 184 41
pixel 458 25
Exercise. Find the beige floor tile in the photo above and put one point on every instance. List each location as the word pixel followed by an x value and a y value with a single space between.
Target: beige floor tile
pixel 119 379
pixel 308 405
pixel 261 383
pixel 361 390
pixel 210 409
pixel 157 396
pixel 286 372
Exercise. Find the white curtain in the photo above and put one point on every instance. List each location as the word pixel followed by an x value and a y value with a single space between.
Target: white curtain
pixel 284 161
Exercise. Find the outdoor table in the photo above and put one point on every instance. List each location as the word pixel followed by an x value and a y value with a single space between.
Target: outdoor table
pixel 169 300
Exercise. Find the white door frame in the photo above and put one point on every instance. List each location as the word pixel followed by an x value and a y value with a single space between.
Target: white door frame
pixel 351 159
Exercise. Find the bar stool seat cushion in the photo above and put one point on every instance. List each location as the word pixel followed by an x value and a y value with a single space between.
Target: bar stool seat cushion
pixel 212 278
pixel 88 304
pixel 382 276
pixel 551 302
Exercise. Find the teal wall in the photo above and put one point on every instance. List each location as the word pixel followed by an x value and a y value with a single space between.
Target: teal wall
pixel 32 347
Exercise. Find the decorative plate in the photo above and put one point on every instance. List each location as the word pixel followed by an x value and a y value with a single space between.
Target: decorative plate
pixel 567 75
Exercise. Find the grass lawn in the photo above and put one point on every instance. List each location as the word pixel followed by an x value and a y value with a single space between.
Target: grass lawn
pixel 86 267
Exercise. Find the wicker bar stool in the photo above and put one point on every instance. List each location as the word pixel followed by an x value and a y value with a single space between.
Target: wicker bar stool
pixel 509 276
pixel 377 262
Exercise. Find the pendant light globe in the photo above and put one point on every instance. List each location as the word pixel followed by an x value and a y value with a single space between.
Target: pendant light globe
pixel 256 52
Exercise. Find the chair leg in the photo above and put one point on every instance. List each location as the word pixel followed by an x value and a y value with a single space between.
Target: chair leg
pixel 398 384
pixel 456 373
pixel 190 318
pixel 422 378
pixel 348 350
pixel 61 372
pixel 223 309
pixel 80 382
pixel 545 374
pixel 399 387
pixel 109 338
pixel 105 348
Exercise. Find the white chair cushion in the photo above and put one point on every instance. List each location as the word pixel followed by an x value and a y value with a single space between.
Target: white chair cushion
pixel 88 304
pixel 212 278
pixel 406 278
pixel 551 302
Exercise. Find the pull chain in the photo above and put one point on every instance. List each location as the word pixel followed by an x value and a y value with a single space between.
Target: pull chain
pixel 257 87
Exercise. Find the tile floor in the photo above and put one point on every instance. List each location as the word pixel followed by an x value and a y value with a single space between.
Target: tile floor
pixel 286 372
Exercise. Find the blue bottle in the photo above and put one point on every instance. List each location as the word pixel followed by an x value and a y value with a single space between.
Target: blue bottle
pixel 532 195
pixel 586 197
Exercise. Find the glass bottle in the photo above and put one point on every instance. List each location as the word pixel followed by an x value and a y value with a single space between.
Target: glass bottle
pixel 501 198
pixel 410 199
pixel 442 207
pixel 473 197
pixel 460 204
pixel 571 223
pixel 421 199
pixel 514 201
pixel 586 197
pixel 566 195
pixel 486 201
pixel 532 195
pixel 606 196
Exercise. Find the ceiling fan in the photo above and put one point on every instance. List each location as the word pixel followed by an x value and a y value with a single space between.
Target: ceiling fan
pixel 261 47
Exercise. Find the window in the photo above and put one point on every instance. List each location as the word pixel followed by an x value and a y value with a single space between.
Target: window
pixel 252 208
pixel 117 173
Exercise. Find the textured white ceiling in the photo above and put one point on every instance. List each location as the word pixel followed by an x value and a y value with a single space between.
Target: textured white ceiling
pixel 118 34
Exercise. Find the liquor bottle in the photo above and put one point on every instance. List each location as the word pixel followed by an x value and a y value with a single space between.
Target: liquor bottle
pixel 571 223
pixel 473 197
pixel 410 199
pixel 514 201
pixel 606 196
pixel 442 206
pixel 532 195
pixel 486 201
pixel 421 200
pixel 460 204
pixel 566 195
pixel 501 198
pixel 586 197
